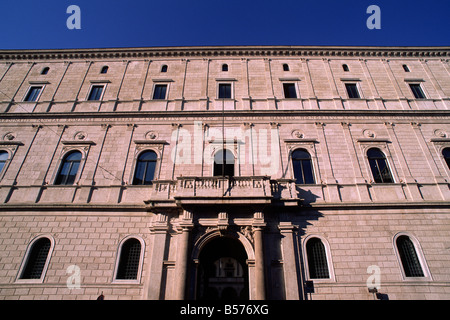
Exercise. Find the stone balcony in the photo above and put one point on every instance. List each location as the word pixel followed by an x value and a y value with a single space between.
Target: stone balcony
pixel 229 190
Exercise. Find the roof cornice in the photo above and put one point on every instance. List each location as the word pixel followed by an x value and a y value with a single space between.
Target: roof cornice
pixel 223 51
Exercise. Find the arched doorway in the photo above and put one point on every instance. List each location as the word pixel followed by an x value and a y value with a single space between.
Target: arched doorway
pixel 222 272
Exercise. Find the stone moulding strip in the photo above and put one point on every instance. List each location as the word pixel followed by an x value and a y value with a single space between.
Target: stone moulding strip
pixel 225 51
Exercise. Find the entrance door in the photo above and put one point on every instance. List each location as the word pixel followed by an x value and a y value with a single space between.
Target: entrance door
pixel 223 271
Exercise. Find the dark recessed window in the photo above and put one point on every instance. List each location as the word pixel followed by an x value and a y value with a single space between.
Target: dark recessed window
pixel 160 92
pixel 405 67
pixel 417 91
pixel 69 168
pixel 224 163
pixel 36 259
pixel 445 153
pixel 345 67
pixel 3 158
pixel 289 91
pixel 352 90
pixel 164 68
pixel 224 67
pixel 33 93
pixel 145 168
pixel 301 163
pixel 130 255
pixel 379 166
pixel 285 67
pixel 96 93
pixel 224 90
pixel 45 70
pixel 408 256
pixel 104 69
pixel 317 259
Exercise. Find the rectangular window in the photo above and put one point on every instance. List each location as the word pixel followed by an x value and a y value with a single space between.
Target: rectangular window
pixel 160 92
pixel 289 91
pixel 96 93
pixel 352 90
pixel 224 90
pixel 417 91
pixel 33 93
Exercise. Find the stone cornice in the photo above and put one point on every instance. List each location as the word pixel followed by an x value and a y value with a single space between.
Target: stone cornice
pixel 224 51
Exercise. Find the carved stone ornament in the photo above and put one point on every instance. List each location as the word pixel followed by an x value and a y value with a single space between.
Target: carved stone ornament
pixel 151 135
pixel 440 133
pixel 9 136
pixel 369 134
pixel 297 134
pixel 80 135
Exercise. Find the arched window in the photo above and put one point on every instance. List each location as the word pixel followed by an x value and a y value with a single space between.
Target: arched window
pixel 408 257
pixel 129 260
pixel 405 68
pixel 379 166
pixel 69 168
pixel 164 68
pixel 285 67
pixel 302 165
pixel 145 168
pixel 45 70
pixel 224 163
pixel 345 67
pixel 224 67
pixel 445 154
pixel 3 158
pixel 36 259
pixel 317 259
pixel 104 69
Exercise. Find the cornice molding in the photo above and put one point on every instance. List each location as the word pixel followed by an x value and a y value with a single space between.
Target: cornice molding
pixel 225 51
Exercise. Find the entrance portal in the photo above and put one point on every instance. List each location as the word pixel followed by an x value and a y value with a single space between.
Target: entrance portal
pixel 223 271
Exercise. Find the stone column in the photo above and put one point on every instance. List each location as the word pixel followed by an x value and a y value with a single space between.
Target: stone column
pixel 182 255
pixel 258 225
pixel 289 263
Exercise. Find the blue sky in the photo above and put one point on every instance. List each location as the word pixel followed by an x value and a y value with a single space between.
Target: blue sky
pixel 41 24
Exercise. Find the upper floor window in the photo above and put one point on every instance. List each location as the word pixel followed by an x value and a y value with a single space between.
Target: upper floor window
pixel 45 70
pixel 405 68
pixel 69 168
pixel 223 163
pixel 104 69
pixel 164 68
pixel 379 166
pixel 285 67
pixel 129 260
pixel 224 91
pixel 33 93
pixel 160 92
pixel 145 168
pixel 408 257
pixel 96 93
pixel 445 154
pixel 345 67
pixel 302 165
pixel 36 259
pixel 3 158
pixel 224 67
pixel 352 90
pixel 317 259
pixel 289 90
pixel 417 91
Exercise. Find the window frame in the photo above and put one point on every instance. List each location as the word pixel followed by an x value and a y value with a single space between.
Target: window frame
pixel 42 86
pixel 118 257
pixel 294 83
pixel 345 67
pixel 358 91
pixel 225 67
pixel 26 257
pixel 6 162
pixel 330 266
pixel 222 83
pixel 45 71
pixel 103 85
pixel 214 162
pixel 311 164
pixel 164 68
pixel 387 165
pixel 160 84
pixel 420 256
pixel 406 68
pixel 136 160
pixel 286 67
pixel 104 70
pixel 421 90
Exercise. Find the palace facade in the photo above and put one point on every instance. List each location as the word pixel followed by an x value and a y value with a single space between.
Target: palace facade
pixel 225 173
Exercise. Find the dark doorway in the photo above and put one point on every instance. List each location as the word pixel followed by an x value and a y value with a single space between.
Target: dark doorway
pixel 223 271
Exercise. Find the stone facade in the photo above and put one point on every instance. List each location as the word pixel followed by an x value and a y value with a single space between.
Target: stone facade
pixel 258 222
